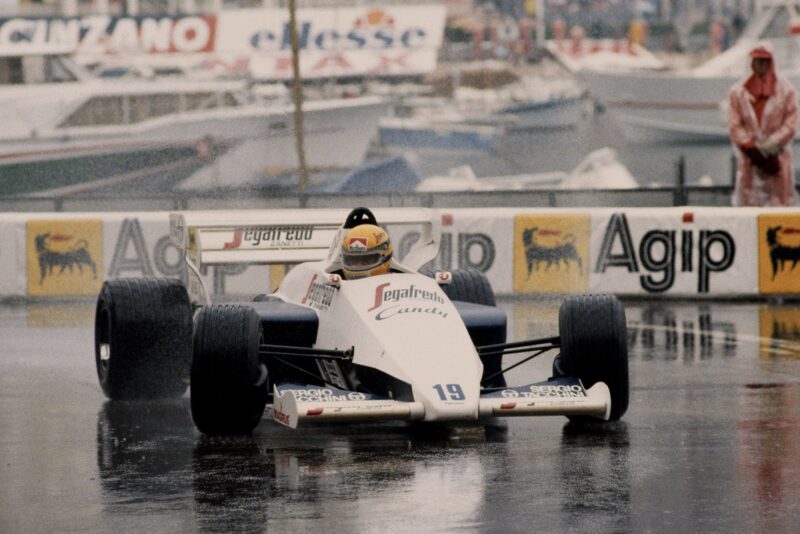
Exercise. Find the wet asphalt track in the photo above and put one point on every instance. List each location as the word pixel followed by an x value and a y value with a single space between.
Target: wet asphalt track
pixel 711 442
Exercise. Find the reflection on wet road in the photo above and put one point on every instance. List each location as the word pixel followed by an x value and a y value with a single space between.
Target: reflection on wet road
pixel 711 441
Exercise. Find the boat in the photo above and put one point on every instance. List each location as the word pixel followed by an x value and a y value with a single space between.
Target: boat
pixel 530 103
pixel 691 105
pixel 600 169
pixel 435 123
pixel 65 130
pixel 473 118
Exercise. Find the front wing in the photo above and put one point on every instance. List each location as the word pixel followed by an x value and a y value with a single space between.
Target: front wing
pixel 298 403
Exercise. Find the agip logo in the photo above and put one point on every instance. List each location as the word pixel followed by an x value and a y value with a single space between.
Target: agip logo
pixel 551 254
pixel 65 258
pixel 779 253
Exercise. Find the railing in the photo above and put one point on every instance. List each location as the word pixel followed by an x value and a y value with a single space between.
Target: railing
pixel 252 198
pixel 680 195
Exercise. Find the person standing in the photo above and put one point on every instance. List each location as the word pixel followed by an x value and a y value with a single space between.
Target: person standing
pixel 762 120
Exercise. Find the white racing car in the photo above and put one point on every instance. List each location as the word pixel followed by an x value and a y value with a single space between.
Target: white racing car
pixel 401 346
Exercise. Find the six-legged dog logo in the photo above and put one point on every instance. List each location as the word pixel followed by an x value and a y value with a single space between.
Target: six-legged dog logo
pixel 76 255
pixel 780 253
pixel 561 251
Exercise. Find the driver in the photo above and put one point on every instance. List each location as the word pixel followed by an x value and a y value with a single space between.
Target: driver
pixel 366 251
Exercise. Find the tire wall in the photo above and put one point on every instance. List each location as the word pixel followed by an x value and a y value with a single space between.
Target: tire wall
pixel 684 252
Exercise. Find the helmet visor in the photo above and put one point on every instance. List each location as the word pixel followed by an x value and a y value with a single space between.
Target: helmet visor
pixel 360 261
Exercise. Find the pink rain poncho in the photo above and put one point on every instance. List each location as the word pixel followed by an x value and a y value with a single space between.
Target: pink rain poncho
pixel 762 120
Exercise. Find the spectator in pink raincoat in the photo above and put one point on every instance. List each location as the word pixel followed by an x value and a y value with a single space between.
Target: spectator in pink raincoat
pixel 762 120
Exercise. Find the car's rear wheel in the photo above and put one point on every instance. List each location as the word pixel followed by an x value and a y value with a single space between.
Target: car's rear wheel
pixel 229 383
pixel 594 346
pixel 468 285
pixel 143 338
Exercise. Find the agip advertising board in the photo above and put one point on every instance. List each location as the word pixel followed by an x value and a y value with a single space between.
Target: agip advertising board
pixel 673 251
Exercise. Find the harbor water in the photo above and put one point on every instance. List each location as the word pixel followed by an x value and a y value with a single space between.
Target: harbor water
pixel 546 150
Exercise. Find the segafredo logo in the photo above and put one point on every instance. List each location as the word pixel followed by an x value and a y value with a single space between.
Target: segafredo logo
pixel 273 236
pixel 319 295
pixel 385 294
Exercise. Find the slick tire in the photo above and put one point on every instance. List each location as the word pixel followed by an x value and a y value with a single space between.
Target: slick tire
pixel 143 338
pixel 228 390
pixel 468 285
pixel 594 346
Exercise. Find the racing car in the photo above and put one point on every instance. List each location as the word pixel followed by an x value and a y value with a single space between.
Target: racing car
pixel 411 345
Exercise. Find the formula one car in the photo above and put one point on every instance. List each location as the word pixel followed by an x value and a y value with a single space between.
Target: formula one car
pixel 408 345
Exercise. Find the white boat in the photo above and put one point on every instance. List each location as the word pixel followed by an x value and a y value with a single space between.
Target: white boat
pixel 474 118
pixel 435 123
pixel 599 170
pixel 62 128
pixel 691 106
pixel 533 102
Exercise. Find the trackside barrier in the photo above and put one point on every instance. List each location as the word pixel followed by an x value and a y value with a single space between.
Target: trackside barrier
pixel 682 251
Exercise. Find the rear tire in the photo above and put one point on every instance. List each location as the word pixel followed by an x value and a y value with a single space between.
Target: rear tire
pixel 594 346
pixel 143 338
pixel 468 285
pixel 225 370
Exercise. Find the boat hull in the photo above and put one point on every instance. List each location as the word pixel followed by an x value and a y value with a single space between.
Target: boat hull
pixel 558 113
pixel 337 135
pixel 664 107
pixel 402 133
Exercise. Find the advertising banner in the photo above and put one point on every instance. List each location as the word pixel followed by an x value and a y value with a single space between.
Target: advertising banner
pixel 335 41
pixel 340 41
pixel 138 244
pixel 778 253
pixel 104 34
pixel 12 257
pixel 64 257
pixel 551 253
pixel 673 251
pixel 471 239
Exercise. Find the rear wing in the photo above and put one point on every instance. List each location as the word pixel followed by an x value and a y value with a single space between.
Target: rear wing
pixel 265 237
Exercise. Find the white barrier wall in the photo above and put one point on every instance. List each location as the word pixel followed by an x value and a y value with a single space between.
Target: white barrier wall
pixel 686 252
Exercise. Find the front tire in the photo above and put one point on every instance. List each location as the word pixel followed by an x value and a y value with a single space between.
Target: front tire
pixel 143 338
pixel 594 346
pixel 229 387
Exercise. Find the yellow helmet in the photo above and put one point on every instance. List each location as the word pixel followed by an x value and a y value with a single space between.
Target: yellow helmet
pixel 366 251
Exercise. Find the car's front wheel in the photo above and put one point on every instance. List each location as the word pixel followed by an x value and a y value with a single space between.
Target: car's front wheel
pixel 594 346
pixel 143 338
pixel 229 384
